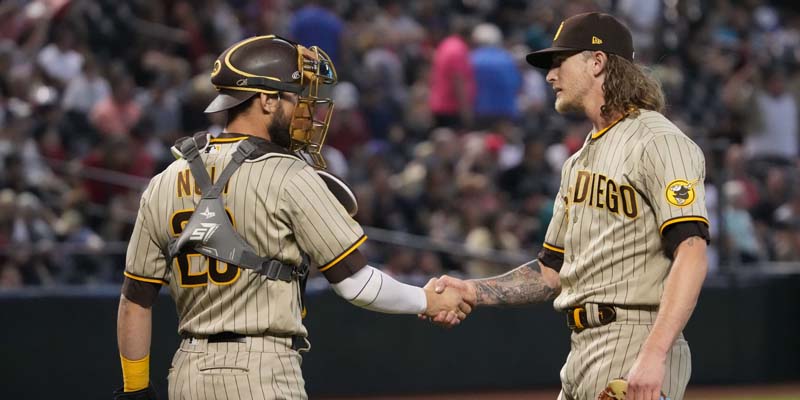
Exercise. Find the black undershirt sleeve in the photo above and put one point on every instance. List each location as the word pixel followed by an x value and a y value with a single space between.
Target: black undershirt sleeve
pixel 551 259
pixel 346 267
pixel 140 292
pixel 677 233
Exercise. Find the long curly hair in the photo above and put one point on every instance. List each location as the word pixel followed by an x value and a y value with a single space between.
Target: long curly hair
pixel 629 87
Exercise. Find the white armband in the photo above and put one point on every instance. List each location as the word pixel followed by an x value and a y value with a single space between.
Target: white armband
pixel 372 289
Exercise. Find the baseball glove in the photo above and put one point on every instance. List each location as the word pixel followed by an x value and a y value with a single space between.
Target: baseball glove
pixel 617 390
pixel 148 393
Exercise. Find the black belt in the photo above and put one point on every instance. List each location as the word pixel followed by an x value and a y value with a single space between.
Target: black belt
pixel 578 320
pixel 224 337
pixel 298 342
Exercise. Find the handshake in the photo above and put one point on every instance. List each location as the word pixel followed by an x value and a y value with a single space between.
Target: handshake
pixel 450 300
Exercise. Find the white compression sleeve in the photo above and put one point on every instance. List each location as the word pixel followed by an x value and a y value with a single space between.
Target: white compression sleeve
pixel 372 289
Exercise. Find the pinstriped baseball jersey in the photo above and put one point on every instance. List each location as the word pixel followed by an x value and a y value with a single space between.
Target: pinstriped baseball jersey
pixel 277 203
pixel 618 193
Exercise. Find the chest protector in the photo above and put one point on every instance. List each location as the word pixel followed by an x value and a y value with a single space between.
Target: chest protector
pixel 210 232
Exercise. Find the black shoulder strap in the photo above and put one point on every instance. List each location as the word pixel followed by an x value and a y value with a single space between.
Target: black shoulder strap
pixel 213 235
pixel 243 151
pixel 190 148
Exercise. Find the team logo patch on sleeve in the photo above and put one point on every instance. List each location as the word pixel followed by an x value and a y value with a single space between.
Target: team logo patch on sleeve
pixel 680 192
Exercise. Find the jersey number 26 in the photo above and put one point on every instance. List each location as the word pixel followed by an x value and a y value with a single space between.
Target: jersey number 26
pixel 195 269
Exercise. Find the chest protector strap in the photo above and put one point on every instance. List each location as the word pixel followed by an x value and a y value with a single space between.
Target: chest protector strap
pixel 210 232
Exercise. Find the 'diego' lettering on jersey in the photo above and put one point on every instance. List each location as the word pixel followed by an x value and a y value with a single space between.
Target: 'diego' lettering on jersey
pixel 601 192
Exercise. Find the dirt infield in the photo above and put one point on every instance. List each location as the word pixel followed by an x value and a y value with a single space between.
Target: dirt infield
pixel 766 392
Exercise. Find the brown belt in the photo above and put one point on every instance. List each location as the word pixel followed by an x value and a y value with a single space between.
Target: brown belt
pixel 590 316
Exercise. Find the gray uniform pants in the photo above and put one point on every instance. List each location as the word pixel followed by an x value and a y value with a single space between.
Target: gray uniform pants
pixel 607 352
pixel 260 368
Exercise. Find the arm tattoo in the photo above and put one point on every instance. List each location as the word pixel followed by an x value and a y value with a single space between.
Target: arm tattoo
pixel 522 285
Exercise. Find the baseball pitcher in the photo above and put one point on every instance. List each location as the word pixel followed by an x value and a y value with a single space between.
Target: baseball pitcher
pixel 624 256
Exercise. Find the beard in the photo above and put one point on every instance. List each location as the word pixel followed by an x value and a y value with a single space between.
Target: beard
pixel 279 129
pixel 566 105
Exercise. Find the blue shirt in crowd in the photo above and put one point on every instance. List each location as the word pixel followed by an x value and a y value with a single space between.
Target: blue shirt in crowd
pixel 498 80
pixel 316 26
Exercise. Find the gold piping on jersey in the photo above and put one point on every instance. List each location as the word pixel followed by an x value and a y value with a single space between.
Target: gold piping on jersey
pixel 553 248
pixel 680 192
pixel 343 255
pixel 143 279
pixel 681 219
pixel 604 130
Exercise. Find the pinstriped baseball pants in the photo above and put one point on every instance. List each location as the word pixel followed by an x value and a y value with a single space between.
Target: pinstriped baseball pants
pixel 607 352
pixel 261 368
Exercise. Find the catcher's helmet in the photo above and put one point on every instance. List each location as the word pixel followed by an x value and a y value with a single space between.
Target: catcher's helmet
pixel 271 64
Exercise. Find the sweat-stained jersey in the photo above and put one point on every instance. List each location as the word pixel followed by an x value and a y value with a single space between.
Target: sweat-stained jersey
pixel 618 193
pixel 277 203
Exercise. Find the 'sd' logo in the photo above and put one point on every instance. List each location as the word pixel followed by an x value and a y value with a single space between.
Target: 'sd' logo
pixel 596 40
pixel 558 32
pixel 217 67
pixel 680 192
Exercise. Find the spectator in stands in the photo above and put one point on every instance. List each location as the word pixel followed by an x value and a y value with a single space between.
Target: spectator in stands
pixel 411 73
pixel 774 194
pixel 740 232
pixel 452 80
pixel 776 139
pixel 80 97
pixel 60 59
pixel 348 130
pixel 118 113
pixel 531 176
pixel 497 77
pixel 316 24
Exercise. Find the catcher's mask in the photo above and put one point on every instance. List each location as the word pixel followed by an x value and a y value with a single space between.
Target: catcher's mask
pixel 271 64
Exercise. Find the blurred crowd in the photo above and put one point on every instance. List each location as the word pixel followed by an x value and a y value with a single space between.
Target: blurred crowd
pixel 440 126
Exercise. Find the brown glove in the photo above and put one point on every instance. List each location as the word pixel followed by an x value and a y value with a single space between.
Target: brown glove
pixel 617 389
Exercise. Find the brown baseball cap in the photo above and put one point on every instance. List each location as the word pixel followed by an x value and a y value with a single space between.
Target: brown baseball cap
pixel 588 31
